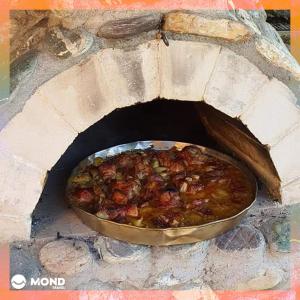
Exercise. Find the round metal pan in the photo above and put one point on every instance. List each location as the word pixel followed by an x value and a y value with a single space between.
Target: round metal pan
pixel 168 236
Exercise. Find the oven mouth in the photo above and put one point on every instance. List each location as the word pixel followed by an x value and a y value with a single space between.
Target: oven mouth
pixel 162 236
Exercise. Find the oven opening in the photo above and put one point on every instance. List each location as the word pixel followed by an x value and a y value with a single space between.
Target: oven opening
pixel 165 120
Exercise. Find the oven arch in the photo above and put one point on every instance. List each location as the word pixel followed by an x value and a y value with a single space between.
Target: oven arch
pixel 33 141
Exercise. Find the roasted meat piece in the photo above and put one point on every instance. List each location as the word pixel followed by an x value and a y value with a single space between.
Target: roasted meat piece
pixel 169 198
pixel 142 168
pixel 194 187
pixel 165 158
pixel 108 171
pixel 129 159
pixel 85 195
pixel 171 160
pixel 84 198
pixel 151 188
pixel 132 211
pixel 119 197
pixel 123 191
pixel 193 156
pixel 177 166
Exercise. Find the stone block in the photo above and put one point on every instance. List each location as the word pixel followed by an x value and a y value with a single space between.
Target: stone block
pixel 76 95
pixel 124 28
pixel 185 68
pixel 285 156
pixel 191 23
pixel 114 251
pixel 37 134
pixel 65 257
pixel 291 193
pixel 168 270
pixel 272 114
pixel 21 185
pixel 127 77
pixel 233 84
pixel 127 266
pixel 65 43
pixel 240 252
pixel 278 56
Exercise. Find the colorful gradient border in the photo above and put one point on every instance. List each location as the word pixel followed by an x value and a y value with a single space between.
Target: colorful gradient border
pixel 5 7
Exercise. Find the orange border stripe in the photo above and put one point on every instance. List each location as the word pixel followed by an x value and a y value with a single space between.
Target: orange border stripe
pixel 6 6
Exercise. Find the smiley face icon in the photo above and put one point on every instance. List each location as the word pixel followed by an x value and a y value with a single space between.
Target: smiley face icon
pixel 18 281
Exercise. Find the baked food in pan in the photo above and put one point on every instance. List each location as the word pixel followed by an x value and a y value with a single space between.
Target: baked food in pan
pixel 161 188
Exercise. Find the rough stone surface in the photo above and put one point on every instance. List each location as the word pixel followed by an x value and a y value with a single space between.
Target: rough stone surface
pixel 27 30
pixel 285 156
pixel 291 192
pixel 114 251
pixel 21 184
pixel 274 37
pixel 71 18
pixel 189 250
pixel 251 20
pixel 167 262
pixel 133 260
pixel 279 57
pixel 21 20
pixel 265 281
pixel 65 257
pixel 163 281
pixel 280 237
pixel 233 84
pixel 242 237
pixel 191 23
pixel 64 43
pixel 16 228
pixel 23 262
pixel 124 28
pixel 277 255
pixel 95 285
pixel 243 249
pixel 272 114
pixel 266 30
pixel 92 19
pixel 37 134
pixel 21 69
pixel 185 68
pixel 195 285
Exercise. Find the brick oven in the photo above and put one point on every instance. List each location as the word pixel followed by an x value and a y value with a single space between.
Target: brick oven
pixel 222 79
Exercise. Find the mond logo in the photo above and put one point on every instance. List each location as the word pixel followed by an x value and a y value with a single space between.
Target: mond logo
pixel 18 281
